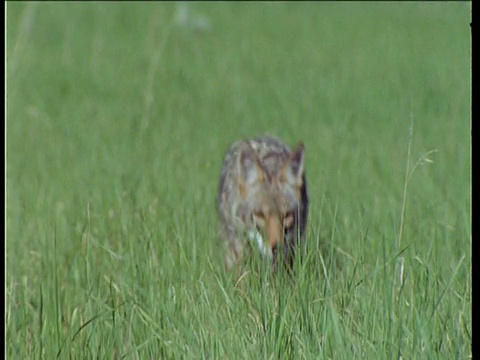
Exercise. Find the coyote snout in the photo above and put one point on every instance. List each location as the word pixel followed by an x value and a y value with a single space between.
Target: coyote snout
pixel 262 197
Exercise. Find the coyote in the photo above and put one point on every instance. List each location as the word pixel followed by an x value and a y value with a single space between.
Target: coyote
pixel 262 197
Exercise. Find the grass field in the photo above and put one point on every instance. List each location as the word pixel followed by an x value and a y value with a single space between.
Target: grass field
pixel 118 118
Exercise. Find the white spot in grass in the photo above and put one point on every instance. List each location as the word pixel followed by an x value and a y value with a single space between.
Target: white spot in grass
pixel 400 269
pixel 255 236
pixel 181 15
pixel 187 18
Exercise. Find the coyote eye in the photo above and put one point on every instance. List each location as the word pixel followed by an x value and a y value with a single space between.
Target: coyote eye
pixel 258 217
pixel 288 220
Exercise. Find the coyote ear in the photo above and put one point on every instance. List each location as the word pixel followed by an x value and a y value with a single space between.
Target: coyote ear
pixel 249 168
pixel 292 171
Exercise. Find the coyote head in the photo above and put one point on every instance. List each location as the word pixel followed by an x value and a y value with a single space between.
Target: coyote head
pixel 270 192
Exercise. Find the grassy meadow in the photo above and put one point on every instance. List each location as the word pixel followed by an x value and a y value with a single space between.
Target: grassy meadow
pixel 118 118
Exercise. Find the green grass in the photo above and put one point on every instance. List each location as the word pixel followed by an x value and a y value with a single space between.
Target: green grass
pixel 118 118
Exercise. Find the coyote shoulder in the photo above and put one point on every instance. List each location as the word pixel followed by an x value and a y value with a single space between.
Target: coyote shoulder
pixel 262 198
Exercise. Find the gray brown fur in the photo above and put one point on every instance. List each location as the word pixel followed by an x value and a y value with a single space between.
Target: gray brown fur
pixel 262 188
